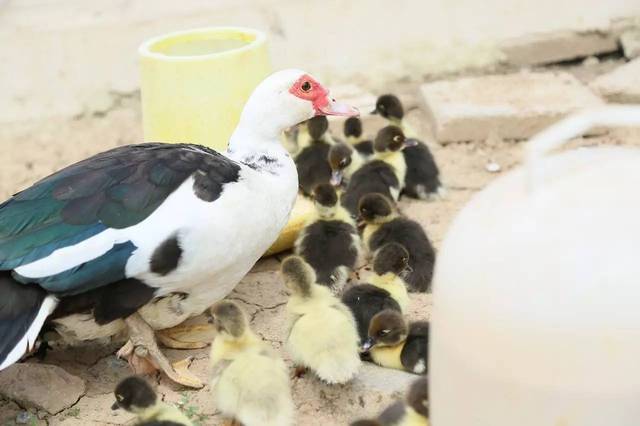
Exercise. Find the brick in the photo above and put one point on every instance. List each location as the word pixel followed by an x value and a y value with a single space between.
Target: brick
pixel 620 85
pixel 557 46
pixel 514 106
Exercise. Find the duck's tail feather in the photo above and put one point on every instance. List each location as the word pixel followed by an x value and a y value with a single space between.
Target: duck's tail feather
pixel 23 310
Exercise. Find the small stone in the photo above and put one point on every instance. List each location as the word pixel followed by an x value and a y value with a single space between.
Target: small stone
pixel 23 417
pixel 492 167
pixel 630 41
pixel 40 386
pixel 515 106
pixel 591 61
pixel 620 85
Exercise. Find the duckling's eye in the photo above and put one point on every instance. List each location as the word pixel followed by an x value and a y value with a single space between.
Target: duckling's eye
pixel 343 162
pixel 306 86
pixel 384 332
pixel 397 138
pixel 120 398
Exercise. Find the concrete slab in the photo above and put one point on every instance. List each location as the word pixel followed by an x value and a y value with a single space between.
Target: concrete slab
pixel 514 106
pixel 536 49
pixel 620 85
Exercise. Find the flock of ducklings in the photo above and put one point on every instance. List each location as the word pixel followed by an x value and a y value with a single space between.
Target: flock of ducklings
pixel 333 326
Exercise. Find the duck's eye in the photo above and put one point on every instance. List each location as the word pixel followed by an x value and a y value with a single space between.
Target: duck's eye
pixel 306 86
pixel 120 398
pixel 397 138
pixel 343 162
pixel 384 332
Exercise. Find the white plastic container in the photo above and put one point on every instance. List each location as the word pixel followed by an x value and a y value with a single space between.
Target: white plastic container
pixel 537 292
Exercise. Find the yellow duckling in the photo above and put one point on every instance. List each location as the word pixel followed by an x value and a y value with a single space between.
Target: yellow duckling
pixel 251 383
pixel 323 334
pixel 135 395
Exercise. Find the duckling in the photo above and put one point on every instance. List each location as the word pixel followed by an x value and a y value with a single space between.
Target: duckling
pixel 388 145
pixel 384 224
pixel 353 134
pixel 387 291
pixel 422 178
pixel 344 161
pixel 136 396
pixel 322 334
pixel 382 175
pixel 250 382
pixel 329 242
pixel 413 411
pixel 311 159
pixel 393 343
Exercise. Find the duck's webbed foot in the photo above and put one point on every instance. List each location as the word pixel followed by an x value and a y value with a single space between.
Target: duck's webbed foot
pixel 195 336
pixel 145 356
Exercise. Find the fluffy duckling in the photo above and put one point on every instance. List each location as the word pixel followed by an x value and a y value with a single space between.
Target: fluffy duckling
pixel 136 396
pixel 353 134
pixel 422 178
pixel 388 146
pixel 413 411
pixel 329 242
pixel 382 175
pixel 322 334
pixel 311 159
pixel 344 161
pixel 393 343
pixel 386 291
pixel 384 224
pixel 251 383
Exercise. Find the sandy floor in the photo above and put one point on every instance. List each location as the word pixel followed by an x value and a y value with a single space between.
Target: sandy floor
pixel 32 151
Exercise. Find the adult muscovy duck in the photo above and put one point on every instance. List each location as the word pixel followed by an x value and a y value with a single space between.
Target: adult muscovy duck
pixel 144 236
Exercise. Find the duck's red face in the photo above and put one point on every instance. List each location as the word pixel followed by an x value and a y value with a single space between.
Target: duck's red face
pixel 308 89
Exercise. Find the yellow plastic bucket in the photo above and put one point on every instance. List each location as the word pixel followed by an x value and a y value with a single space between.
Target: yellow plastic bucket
pixel 195 83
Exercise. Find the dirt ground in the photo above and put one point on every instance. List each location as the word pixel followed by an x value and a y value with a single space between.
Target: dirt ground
pixel 33 150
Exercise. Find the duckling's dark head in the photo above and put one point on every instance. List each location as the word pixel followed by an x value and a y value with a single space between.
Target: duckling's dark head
pixel 418 397
pixel 339 159
pixel 134 394
pixel 391 257
pixel 389 139
pixel 228 318
pixel 352 127
pixel 389 106
pixel 375 208
pixel 317 126
pixel 387 328
pixel 325 195
pixel 298 275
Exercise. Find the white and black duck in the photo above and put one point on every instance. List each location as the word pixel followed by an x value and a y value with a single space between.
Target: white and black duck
pixel 145 236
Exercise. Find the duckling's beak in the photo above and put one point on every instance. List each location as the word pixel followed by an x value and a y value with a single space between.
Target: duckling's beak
pixel 209 317
pixel 336 177
pixel 409 142
pixel 115 406
pixel 367 345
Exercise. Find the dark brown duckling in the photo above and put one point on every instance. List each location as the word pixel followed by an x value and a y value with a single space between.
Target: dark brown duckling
pixel 384 224
pixel 353 134
pixel 311 159
pixel 329 242
pixel 422 178
pixel 394 343
pixel 386 291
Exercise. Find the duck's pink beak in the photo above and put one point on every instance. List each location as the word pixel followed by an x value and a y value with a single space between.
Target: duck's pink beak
pixel 332 107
